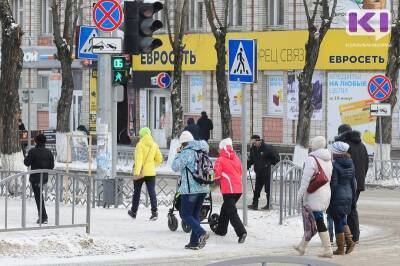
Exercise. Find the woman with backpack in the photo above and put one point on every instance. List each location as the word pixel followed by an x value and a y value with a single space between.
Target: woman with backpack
pixel 313 204
pixel 343 187
pixel 192 192
pixel 228 172
pixel 147 157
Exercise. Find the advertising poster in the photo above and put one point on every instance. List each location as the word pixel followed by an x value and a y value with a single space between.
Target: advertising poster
pixel 196 94
pixel 349 103
pixel 343 6
pixel 293 96
pixel 54 97
pixel 275 95
pixel 143 109
pixel 92 105
pixel 235 96
pixel 131 112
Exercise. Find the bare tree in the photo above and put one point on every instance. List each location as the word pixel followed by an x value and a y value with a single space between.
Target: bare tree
pixel 315 37
pixel 11 67
pixel 392 72
pixel 175 35
pixel 220 29
pixel 64 43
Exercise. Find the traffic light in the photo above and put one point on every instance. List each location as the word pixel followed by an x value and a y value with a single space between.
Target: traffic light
pixel 119 68
pixel 140 25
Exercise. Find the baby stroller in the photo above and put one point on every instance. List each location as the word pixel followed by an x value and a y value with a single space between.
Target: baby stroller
pixel 206 215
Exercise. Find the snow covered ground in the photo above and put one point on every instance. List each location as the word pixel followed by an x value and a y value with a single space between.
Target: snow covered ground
pixel 115 237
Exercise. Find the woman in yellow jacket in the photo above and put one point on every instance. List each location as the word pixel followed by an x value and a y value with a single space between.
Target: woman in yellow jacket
pixel 147 157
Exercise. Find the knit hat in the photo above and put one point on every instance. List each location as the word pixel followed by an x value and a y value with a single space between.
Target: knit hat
pixel 144 131
pixel 318 142
pixel 40 139
pixel 344 128
pixel 186 136
pixel 339 147
pixel 225 142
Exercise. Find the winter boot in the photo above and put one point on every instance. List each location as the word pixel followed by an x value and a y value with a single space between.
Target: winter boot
pixel 349 239
pixel 340 244
pixel 154 216
pixel 242 238
pixel 301 248
pixel 327 245
pixel 132 214
pixel 253 206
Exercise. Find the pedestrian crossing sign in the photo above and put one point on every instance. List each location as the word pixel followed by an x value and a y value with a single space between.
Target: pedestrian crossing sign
pixel 84 48
pixel 242 60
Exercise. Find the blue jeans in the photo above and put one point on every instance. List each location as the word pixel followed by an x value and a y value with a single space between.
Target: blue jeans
pixel 330 226
pixel 190 213
pixel 340 222
pixel 151 189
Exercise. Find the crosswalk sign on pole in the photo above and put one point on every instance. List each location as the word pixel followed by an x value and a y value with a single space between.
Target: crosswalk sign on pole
pixel 242 60
pixel 84 48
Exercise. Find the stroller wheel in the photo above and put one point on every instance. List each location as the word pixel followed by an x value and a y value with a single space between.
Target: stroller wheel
pixel 213 221
pixel 172 222
pixel 185 227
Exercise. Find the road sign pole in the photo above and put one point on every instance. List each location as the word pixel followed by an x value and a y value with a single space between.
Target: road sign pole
pixel 380 143
pixel 244 153
pixel 29 119
pixel 114 133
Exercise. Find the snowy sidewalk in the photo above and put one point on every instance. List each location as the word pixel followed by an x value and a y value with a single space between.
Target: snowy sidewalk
pixel 117 238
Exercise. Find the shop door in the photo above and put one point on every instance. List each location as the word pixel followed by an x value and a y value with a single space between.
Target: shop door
pixel 158 105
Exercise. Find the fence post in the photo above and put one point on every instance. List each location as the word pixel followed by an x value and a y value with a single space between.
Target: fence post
pixel 93 191
pixel 57 203
pixel 23 191
pixel 116 192
pixel 41 199
pixel 89 184
pixel 290 191
pixel 281 197
pixel 73 198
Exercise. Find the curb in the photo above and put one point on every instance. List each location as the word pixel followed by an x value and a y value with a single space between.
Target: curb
pixel 377 186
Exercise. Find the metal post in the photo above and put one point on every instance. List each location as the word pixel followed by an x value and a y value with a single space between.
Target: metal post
pixel 23 191
pixel 281 197
pixel 73 199
pixel 41 199
pixel 88 195
pixel 6 206
pixel 114 143
pixel 290 192
pixel 57 203
pixel 380 145
pixel 244 152
pixel 29 119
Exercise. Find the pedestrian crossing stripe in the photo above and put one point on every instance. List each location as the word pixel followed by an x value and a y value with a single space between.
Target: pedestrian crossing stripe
pixel 241 66
pixel 87 47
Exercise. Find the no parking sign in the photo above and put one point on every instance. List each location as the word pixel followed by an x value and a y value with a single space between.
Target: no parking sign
pixel 107 15
pixel 379 87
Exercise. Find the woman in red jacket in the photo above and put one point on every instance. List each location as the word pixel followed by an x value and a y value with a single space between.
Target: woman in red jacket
pixel 228 171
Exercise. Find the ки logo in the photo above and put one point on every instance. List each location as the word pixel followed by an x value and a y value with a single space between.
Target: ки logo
pixel 368 22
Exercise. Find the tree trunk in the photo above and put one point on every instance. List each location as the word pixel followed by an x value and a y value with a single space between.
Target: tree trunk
pixel 177 110
pixel 392 72
pixel 223 96
pixel 67 89
pixel 11 67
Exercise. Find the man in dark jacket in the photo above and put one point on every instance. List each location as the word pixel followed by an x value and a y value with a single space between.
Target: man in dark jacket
pixel 262 156
pixel 39 157
pixel 193 129
pixel 359 155
pixel 206 125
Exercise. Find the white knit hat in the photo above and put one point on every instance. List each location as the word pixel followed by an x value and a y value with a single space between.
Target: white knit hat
pixel 318 142
pixel 186 136
pixel 339 147
pixel 225 142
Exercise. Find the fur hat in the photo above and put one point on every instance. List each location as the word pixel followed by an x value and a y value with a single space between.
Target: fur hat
pixel 40 139
pixel 144 131
pixel 317 143
pixel 344 128
pixel 186 136
pixel 339 147
pixel 225 142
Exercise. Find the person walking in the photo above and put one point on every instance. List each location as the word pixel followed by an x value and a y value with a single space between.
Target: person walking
pixel 147 157
pixel 192 192
pixel 206 125
pixel 193 128
pixel 359 155
pixel 314 204
pixel 39 157
pixel 262 156
pixel 228 172
pixel 343 187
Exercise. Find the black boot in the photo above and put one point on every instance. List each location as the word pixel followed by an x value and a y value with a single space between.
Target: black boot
pixel 253 206
pixel 154 216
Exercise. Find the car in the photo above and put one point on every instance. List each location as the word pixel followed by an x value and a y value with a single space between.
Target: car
pixel 99 46
pixel 112 46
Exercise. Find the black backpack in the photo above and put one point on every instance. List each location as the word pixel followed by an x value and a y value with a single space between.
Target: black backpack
pixel 204 171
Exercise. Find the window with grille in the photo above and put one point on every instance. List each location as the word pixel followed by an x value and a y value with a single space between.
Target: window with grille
pixel 235 12
pixel 46 17
pixel 275 11
pixel 196 9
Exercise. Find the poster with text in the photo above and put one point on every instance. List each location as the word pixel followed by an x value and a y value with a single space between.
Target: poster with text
pixel 235 96
pixel 196 94
pixel 275 95
pixel 92 105
pixel 293 95
pixel 349 103
pixel 54 97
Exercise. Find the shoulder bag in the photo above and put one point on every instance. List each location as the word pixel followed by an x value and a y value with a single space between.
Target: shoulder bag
pixel 319 178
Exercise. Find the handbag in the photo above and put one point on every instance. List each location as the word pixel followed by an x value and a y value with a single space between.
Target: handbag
pixel 319 179
pixel 141 175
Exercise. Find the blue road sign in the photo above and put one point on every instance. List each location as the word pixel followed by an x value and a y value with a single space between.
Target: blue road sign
pixel 107 15
pixel 84 48
pixel 379 87
pixel 242 61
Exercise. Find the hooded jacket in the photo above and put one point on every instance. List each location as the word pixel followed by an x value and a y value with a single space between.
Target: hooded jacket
pixel 319 199
pixel 228 170
pixel 359 155
pixel 262 158
pixel 187 158
pixel 343 187
pixel 148 156
pixel 39 158
pixel 205 124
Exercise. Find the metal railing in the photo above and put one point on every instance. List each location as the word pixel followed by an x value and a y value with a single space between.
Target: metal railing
pixel 57 190
pixel 265 260
pixel 383 170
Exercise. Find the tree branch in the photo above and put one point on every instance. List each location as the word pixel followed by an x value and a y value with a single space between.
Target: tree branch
pixel 210 16
pixel 56 23
pixel 226 9
pixel 307 12
pixel 183 20
pixel 166 17
pixel 315 11
pixel 67 21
